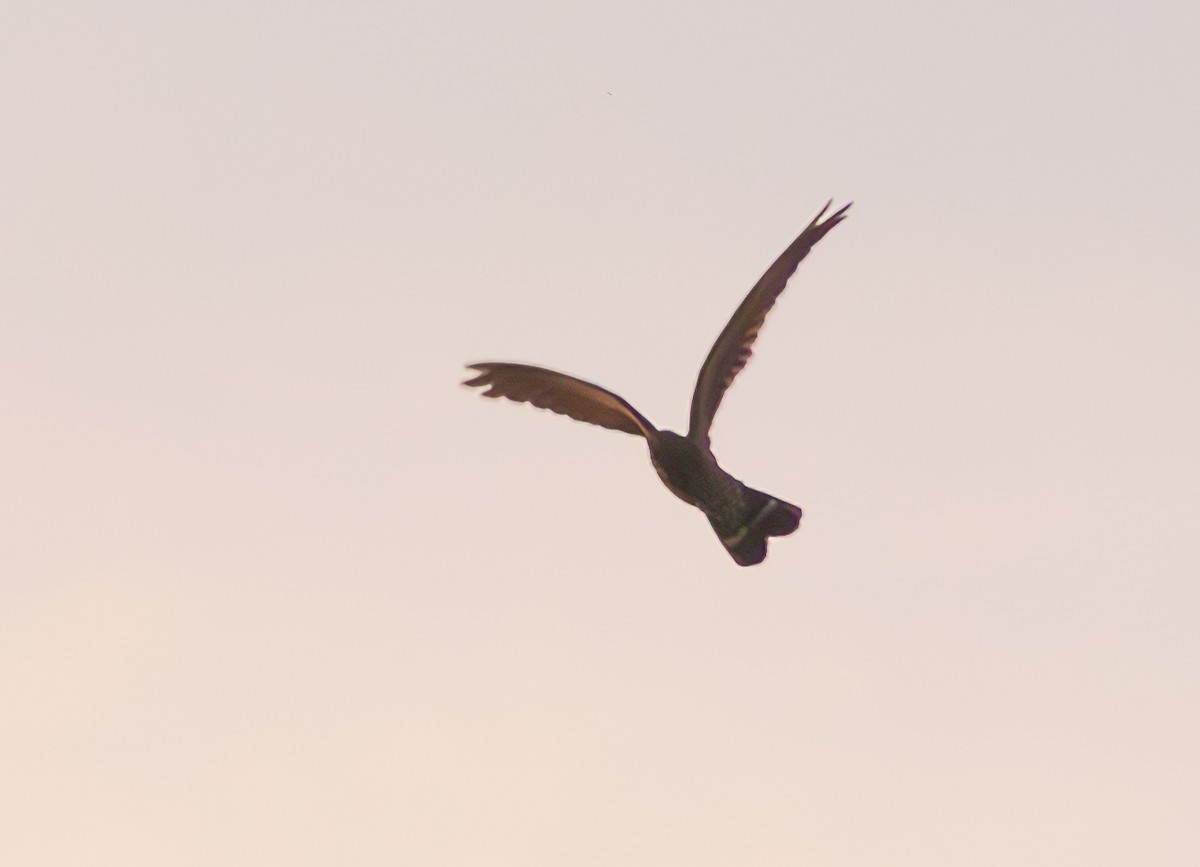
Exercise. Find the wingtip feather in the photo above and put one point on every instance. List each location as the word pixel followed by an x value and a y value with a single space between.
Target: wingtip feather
pixel 834 218
pixel 483 372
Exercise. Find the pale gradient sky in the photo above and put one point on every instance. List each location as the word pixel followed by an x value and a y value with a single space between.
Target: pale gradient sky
pixel 275 590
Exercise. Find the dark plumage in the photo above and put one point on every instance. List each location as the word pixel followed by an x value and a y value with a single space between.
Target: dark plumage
pixel 742 517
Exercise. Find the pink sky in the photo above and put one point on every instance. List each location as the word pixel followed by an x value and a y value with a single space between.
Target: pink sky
pixel 274 590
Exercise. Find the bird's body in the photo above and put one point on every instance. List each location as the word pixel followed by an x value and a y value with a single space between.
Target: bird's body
pixel 735 511
pixel 742 517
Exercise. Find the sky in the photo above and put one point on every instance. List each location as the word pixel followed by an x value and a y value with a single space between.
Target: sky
pixel 276 590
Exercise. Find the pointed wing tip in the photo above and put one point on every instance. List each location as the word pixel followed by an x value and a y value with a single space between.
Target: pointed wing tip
pixel 835 216
pixel 483 373
pixel 822 223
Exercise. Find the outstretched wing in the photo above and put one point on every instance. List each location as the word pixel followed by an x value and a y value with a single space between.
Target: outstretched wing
pixel 733 347
pixel 559 393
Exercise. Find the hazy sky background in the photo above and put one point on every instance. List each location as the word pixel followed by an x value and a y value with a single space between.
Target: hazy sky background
pixel 275 590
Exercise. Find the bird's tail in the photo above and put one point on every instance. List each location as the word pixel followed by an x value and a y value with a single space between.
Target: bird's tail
pixel 764 516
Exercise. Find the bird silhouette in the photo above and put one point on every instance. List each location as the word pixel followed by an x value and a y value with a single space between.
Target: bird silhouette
pixel 742 517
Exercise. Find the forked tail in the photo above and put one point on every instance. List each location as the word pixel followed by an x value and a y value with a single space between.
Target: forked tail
pixel 764 515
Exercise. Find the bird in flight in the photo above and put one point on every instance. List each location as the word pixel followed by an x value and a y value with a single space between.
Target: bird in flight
pixel 742 517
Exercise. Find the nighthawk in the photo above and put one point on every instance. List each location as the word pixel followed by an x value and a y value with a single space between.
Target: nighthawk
pixel 742 517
